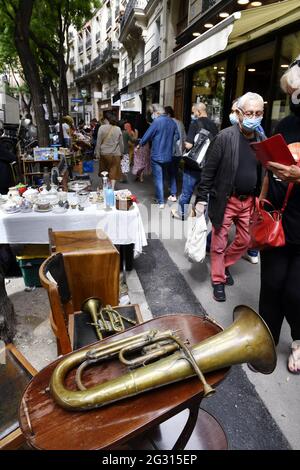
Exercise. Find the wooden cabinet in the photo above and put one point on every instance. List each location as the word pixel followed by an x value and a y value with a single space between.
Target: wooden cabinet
pixel 92 264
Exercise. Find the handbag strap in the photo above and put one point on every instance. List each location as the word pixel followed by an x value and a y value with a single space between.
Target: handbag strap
pixel 107 134
pixel 289 190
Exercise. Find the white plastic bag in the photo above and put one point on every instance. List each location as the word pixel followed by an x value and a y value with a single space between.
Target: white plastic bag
pixel 195 247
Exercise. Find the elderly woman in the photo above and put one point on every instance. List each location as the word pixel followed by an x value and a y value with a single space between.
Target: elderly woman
pixel 280 267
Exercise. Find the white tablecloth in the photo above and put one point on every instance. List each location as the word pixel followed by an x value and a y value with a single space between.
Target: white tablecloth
pixel 122 227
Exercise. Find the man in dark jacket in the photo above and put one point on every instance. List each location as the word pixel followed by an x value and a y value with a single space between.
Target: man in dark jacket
pixel 6 174
pixel 163 134
pixel 191 176
pixel 231 178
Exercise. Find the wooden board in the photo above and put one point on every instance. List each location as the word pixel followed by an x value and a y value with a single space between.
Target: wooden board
pixel 92 265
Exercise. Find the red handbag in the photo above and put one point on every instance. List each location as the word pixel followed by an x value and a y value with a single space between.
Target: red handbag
pixel 265 228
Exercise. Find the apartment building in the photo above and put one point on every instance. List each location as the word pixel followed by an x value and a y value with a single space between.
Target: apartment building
pixel 180 52
pixel 93 74
pixel 177 52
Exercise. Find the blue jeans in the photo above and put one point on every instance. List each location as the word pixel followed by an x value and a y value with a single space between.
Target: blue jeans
pixel 158 169
pixel 173 174
pixel 190 180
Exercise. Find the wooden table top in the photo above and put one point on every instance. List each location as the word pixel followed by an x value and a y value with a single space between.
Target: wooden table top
pixel 107 428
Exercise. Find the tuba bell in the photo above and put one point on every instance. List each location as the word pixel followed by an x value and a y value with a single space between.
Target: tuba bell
pixel 247 340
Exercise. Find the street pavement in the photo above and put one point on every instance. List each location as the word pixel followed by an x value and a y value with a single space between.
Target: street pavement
pixel 279 391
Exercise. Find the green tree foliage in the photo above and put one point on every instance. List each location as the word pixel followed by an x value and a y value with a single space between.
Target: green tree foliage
pixel 34 40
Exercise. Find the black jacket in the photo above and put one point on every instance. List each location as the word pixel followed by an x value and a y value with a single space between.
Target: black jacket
pixel 6 175
pixel 218 175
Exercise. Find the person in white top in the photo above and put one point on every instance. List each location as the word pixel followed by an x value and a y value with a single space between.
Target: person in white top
pixel 66 132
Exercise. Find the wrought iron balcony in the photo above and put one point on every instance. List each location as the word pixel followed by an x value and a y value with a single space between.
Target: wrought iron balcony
pixel 132 75
pixel 108 23
pixel 88 43
pixel 78 73
pixel 208 4
pixel 140 69
pixel 155 56
pixel 132 5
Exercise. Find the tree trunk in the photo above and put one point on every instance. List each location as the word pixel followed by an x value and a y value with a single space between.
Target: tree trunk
pixel 49 101
pixel 30 68
pixel 64 90
pixel 55 95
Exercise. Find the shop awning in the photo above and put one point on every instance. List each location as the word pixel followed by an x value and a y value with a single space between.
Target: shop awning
pixel 257 22
pixel 235 30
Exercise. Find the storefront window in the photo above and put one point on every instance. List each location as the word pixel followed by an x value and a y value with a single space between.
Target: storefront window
pixel 254 73
pixel 289 51
pixel 208 88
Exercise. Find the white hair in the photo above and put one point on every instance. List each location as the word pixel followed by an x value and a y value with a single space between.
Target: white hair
pixel 290 80
pixel 158 108
pixel 249 97
pixel 201 107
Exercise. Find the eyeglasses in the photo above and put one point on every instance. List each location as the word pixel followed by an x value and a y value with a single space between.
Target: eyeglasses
pixel 251 114
pixel 295 62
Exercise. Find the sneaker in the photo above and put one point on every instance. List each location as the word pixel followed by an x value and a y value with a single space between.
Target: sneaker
pixel 229 278
pixel 250 258
pixel 172 198
pixel 219 292
pixel 175 214
pixel 161 206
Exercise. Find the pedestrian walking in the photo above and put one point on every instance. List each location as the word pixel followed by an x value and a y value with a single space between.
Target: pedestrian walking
pixel 251 254
pixel 177 155
pixel 163 134
pixel 230 179
pixel 141 159
pixel 109 149
pixel 191 176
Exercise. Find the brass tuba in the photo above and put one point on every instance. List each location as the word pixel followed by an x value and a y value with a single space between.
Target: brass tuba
pixel 248 339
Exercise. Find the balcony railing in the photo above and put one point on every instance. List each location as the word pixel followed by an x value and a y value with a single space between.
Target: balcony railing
pixel 140 69
pixel 78 73
pixel 124 82
pixel 131 6
pixel 108 23
pixel 98 36
pixel 88 43
pixel 132 75
pixel 207 4
pixel 80 48
pixel 155 57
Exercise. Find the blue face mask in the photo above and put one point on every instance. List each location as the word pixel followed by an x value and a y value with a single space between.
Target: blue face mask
pixel 250 124
pixel 233 118
pixel 193 117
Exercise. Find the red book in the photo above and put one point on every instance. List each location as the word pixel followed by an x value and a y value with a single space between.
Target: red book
pixel 273 149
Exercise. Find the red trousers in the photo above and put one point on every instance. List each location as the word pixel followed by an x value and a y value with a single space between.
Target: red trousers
pixel 237 212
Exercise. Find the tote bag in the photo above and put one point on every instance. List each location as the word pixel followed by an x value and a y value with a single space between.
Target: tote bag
pixel 195 247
